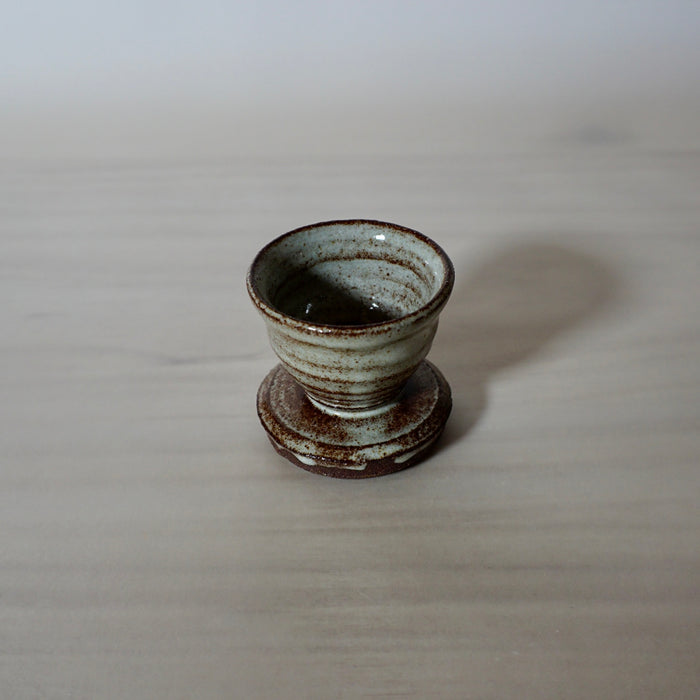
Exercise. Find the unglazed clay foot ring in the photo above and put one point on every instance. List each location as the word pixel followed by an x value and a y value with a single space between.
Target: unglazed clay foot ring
pixel 373 443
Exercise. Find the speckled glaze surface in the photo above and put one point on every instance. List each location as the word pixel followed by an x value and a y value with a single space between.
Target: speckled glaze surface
pixel 365 445
pixel 351 309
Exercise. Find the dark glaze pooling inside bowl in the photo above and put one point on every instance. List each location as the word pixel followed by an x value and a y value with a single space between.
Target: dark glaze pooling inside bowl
pixel 313 299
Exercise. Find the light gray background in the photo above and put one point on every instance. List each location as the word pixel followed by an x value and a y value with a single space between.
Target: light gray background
pixel 219 78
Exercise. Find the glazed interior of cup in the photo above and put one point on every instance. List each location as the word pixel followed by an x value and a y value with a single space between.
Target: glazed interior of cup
pixel 350 273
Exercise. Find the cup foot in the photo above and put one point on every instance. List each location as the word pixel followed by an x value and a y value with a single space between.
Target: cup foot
pixel 355 447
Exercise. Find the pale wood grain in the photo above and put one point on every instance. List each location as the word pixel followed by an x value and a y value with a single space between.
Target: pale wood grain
pixel 152 544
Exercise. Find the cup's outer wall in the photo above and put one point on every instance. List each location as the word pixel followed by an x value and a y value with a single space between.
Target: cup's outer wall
pixel 352 367
pixel 358 377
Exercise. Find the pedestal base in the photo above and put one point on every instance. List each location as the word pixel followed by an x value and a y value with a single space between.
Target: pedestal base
pixel 348 446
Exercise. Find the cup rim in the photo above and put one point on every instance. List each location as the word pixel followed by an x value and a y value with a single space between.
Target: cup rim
pixel 434 304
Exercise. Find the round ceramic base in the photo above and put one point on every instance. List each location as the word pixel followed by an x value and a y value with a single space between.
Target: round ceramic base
pixel 355 446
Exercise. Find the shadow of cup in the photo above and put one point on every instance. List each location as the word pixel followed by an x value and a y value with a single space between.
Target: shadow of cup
pixel 507 309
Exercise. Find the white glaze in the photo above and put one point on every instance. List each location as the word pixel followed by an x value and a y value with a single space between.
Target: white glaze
pixel 400 459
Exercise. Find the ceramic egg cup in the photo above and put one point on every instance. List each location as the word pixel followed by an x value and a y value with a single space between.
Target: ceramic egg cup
pixel 351 309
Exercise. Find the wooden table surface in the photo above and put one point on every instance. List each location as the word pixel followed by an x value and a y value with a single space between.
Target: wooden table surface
pixel 153 545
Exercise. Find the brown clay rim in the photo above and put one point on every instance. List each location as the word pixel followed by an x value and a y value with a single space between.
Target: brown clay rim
pixel 437 301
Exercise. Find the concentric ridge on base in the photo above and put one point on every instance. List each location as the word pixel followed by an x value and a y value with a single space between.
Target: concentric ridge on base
pixel 355 448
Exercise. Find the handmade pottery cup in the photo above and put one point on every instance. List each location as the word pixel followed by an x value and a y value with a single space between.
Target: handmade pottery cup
pixel 351 308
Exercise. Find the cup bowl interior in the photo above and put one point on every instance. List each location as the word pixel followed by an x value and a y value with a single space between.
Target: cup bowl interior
pixel 350 273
